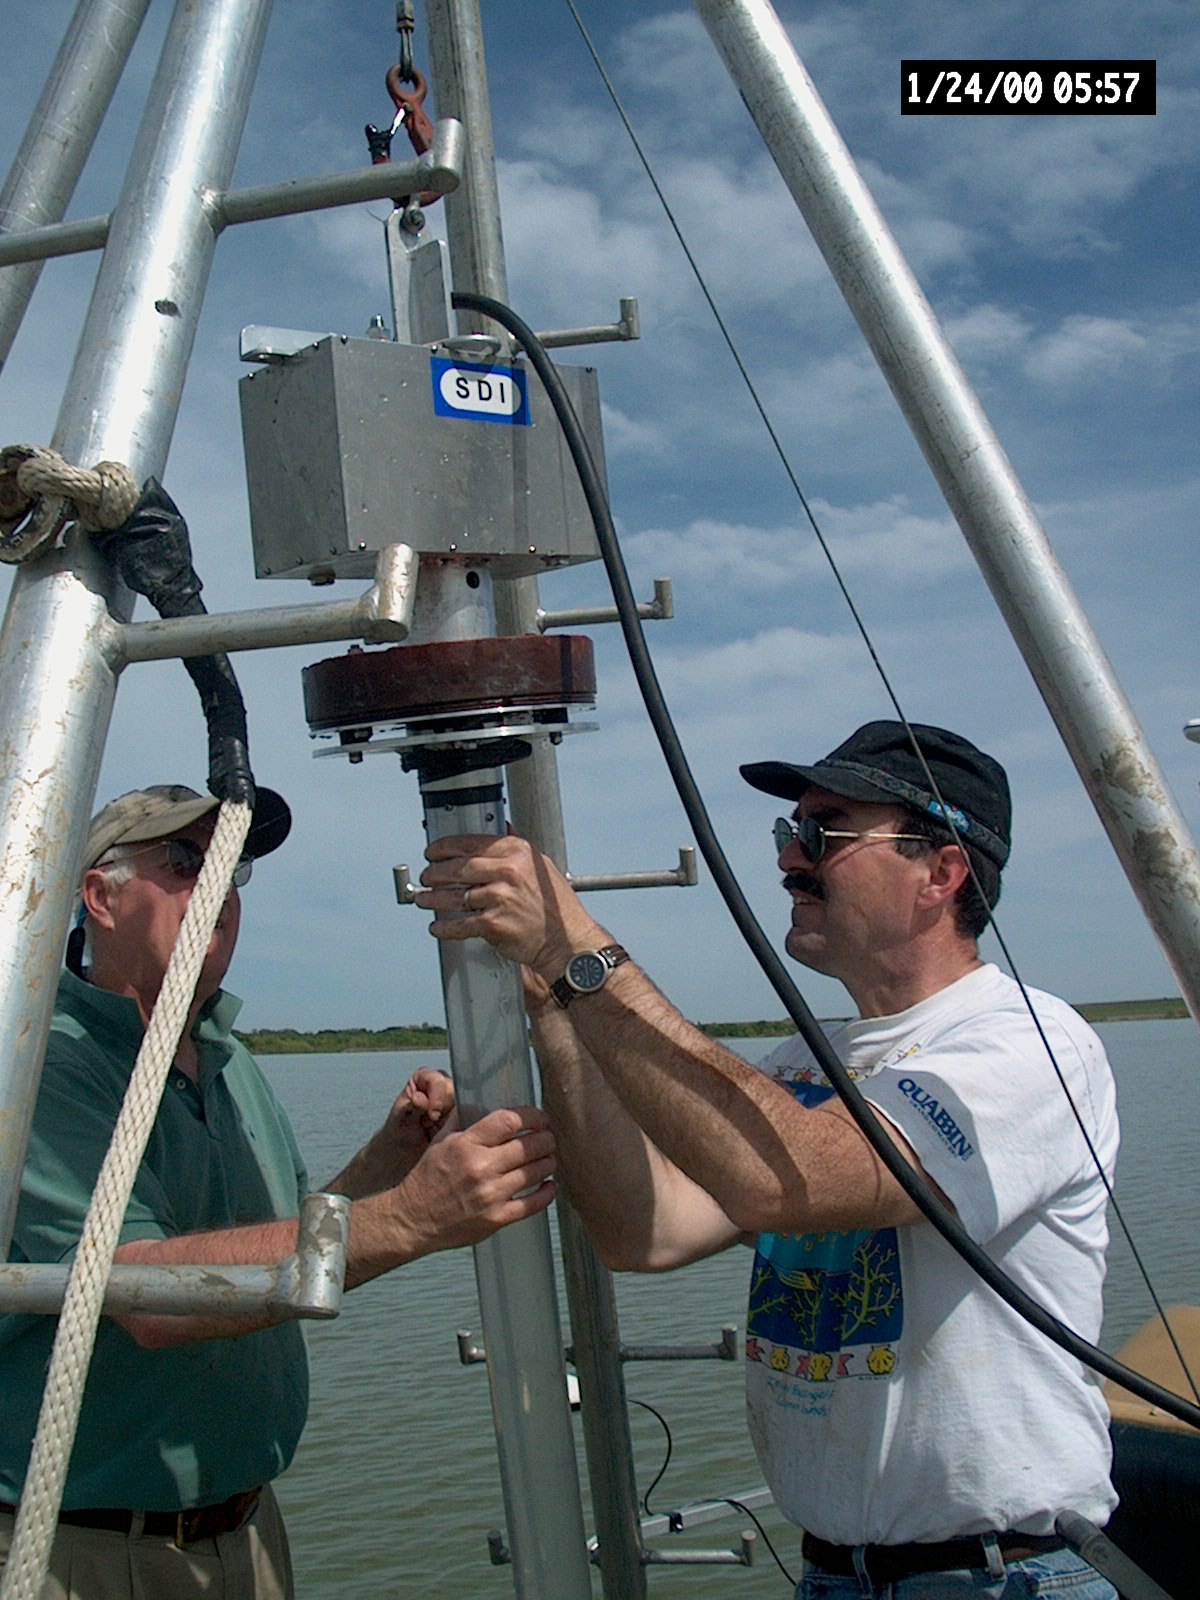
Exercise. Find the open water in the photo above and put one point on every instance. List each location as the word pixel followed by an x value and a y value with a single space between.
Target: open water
pixel 395 1485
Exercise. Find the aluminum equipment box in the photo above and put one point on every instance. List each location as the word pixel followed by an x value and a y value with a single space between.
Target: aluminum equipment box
pixel 355 444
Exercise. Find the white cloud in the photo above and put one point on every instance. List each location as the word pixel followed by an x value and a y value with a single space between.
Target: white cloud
pixel 884 541
pixel 566 251
pixel 1084 349
pixel 642 435
pixel 987 332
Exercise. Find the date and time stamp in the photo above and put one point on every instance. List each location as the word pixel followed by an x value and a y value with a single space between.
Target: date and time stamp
pixel 1024 88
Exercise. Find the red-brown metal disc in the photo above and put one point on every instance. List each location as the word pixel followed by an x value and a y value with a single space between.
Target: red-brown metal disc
pixel 455 675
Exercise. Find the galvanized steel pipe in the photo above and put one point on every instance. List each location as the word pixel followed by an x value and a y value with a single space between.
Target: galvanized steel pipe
pixel 60 135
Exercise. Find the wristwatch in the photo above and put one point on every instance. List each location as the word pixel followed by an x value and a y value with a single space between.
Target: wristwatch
pixel 587 972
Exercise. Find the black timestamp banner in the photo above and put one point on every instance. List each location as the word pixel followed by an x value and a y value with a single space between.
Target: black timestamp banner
pixel 1024 88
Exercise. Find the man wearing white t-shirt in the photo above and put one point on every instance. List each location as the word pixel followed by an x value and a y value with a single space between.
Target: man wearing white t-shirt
pixel 918 1430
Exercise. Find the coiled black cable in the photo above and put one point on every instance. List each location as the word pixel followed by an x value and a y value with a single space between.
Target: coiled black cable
pixel 764 952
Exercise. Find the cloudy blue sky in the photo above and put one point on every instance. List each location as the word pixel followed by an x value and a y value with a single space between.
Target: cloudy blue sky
pixel 1059 253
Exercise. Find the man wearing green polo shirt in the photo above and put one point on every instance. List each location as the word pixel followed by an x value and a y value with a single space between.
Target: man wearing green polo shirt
pixel 187 1419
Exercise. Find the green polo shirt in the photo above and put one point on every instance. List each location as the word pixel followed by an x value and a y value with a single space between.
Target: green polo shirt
pixel 160 1429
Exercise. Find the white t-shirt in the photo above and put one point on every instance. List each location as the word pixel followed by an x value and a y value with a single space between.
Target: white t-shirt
pixel 892 1396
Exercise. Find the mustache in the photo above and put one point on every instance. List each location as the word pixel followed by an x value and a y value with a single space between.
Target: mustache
pixel 804 884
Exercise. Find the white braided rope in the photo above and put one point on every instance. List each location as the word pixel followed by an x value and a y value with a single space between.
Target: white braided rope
pixel 38 1515
pixel 104 495
pixel 49 491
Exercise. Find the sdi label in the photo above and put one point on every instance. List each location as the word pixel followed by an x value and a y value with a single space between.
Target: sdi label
pixel 480 394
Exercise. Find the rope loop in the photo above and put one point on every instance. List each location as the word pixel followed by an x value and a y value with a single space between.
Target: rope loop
pixel 40 493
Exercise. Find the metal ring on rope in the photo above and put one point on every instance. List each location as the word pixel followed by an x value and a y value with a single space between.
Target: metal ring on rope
pixel 40 493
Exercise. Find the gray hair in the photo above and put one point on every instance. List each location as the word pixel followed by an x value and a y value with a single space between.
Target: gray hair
pixel 117 862
pixel 117 865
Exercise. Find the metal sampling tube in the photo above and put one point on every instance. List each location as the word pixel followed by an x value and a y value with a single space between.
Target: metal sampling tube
pixel 489 1056
pixel 477 253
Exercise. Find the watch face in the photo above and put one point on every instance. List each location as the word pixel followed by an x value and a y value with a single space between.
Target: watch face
pixel 586 973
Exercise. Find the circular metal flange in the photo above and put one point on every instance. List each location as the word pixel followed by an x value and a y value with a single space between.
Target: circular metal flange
pixel 471 732
pixel 448 679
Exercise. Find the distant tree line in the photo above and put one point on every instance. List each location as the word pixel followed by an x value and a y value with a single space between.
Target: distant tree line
pixel 327 1041
pixel 431 1036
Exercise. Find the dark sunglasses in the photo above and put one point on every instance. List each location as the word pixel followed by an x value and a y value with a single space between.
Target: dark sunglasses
pixel 185 860
pixel 812 836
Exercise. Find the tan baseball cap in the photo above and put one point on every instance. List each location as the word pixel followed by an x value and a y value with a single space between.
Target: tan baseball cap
pixel 165 808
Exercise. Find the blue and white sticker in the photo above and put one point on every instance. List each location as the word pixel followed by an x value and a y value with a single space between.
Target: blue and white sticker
pixel 961 821
pixel 480 394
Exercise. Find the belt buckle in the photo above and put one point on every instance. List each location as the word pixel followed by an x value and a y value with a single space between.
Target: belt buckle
pixel 182 1530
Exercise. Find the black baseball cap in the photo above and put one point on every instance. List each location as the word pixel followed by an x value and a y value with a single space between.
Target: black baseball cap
pixel 877 763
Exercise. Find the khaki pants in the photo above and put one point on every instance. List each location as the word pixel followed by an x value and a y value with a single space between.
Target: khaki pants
pixel 96 1564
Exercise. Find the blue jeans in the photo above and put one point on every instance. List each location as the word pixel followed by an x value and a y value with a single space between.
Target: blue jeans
pixel 1060 1574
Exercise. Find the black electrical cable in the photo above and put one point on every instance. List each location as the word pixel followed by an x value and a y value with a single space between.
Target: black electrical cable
pixel 766 1538
pixel 764 952
pixel 725 1499
pixel 152 551
pixel 662 1471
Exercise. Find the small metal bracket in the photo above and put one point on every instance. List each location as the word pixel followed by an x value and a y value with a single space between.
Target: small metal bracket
pixel 742 1555
pixel 701 1511
pixel 627 327
pixel 698 1512
pixel 660 609
pixel 482 347
pixel 382 614
pixel 419 277
pixel 258 343
pixel 725 1350
pixel 684 876
pixel 469 1353
pixel 307 1283
pixel 406 893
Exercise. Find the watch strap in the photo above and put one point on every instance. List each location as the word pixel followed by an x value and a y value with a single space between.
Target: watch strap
pixel 611 954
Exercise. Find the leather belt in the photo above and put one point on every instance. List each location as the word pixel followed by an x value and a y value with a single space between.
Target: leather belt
pixel 888 1563
pixel 185 1527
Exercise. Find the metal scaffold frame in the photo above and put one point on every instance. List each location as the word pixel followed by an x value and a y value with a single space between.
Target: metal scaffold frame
pixel 68 627
pixel 67 636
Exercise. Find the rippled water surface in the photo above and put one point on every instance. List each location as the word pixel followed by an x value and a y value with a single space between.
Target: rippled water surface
pixel 395 1486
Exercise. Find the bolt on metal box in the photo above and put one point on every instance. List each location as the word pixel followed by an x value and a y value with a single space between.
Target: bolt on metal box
pixel 355 444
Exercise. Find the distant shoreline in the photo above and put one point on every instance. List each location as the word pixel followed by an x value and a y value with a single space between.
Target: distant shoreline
pixel 429 1036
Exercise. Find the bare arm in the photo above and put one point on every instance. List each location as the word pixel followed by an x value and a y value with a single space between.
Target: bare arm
pixel 643 1213
pixel 423 1108
pixel 770 1164
pixel 463 1188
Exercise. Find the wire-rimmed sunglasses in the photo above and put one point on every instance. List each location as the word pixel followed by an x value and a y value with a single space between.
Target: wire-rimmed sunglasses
pixel 812 836
pixel 185 859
